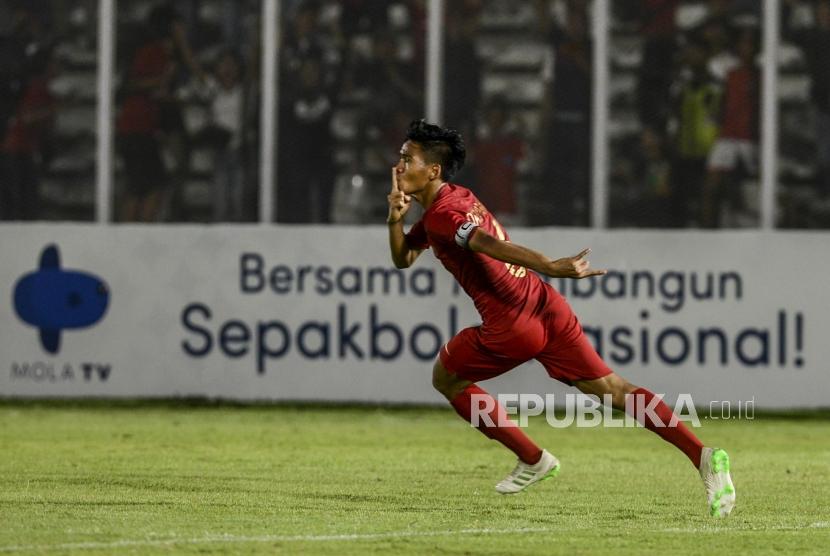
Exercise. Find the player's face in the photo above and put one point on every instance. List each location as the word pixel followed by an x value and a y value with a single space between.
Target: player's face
pixel 414 173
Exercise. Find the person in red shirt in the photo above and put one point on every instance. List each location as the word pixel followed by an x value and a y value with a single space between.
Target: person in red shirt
pixel 139 125
pixel 736 146
pixel 523 317
pixel 151 117
pixel 498 150
pixel 25 141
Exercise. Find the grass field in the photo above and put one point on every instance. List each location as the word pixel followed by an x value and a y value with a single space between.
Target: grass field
pixel 158 478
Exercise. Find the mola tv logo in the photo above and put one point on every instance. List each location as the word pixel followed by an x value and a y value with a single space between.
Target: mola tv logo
pixel 53 299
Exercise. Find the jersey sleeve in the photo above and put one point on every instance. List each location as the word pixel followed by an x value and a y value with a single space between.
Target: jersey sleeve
pixel 417 238
pixel 452 227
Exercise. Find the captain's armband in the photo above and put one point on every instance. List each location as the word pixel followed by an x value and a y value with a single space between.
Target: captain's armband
pixel 463 234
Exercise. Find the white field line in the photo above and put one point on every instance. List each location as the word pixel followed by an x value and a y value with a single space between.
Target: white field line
pixel 224 538
pixel 748 527
pixel 209 539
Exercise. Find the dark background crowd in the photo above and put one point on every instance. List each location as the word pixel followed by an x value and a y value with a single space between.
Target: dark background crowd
pixel 683 129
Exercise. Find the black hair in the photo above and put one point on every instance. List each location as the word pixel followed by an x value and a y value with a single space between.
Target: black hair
pixel 160 21
pixel 441 145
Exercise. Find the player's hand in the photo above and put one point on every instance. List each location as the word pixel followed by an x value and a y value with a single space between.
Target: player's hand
pixel 574 267
pixel 399 202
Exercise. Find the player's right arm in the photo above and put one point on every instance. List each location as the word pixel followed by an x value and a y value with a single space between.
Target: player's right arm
pixel 399 204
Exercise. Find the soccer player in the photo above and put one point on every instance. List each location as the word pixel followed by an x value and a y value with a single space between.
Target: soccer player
pixel 523 318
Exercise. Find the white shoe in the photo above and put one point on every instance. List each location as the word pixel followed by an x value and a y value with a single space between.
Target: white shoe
pixel 525 475
pixel 720 492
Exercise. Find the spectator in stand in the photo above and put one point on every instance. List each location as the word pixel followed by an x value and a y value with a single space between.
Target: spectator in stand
pixel 815 44
pixel 26 37
pixel 394 83
pixel 566 170
pixel 658 197
pixel 644 169
pixel 497 151
pixel 171 116
pixel 657 66
pixel 697 99
pixel 224 133
pixel 305 39
pixel 362 18
pixel 396 92
pixel 716 34
pixel 306 163
pixel 736 146
pixel 150 113
pixel 138 127
pixel 392 77
pixel 720 29
pixel 311 73
pixel 462 67
pixel 25 144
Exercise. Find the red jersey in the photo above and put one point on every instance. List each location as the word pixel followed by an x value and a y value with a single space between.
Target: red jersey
pixel 140 112
pixel 504 294
pixel 741 105
pixel 23 137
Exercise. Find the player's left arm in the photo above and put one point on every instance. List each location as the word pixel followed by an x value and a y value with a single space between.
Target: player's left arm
pixel 505 251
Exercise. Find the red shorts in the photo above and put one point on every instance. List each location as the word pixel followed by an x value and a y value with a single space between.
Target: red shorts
pixel 556 340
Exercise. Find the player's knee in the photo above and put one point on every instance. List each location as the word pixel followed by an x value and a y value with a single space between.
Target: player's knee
pixel 442 380
pixel 436 383
pixel 437 377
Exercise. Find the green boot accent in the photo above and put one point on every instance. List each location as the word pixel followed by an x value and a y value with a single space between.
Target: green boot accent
pixel 720 461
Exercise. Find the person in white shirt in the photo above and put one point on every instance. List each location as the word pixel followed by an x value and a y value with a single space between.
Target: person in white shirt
pixel 226 94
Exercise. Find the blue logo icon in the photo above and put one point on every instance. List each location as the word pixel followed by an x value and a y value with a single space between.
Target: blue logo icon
pixel 52 299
